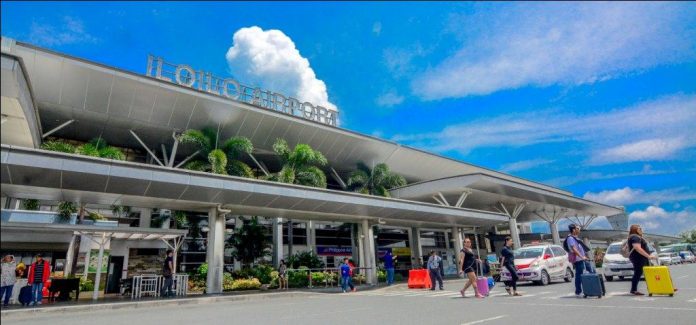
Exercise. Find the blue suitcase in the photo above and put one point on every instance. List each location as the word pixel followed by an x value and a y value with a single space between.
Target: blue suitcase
pixel 593 285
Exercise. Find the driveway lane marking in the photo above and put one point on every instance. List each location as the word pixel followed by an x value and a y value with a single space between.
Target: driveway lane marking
pixel 484 320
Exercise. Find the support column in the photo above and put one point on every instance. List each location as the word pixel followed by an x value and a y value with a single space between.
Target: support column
pixel 100 262
pixel 457 240
pixel 369 252
pixel 554 232
pixel 416 249
pixel 68 270
pixel 311 237
pixel 215 251
pixel 277 241
pixel 238 223
pixel 145 217
pixel 512 214
pixel 361 245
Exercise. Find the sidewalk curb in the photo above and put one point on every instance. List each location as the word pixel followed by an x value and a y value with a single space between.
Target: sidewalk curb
pixel 150 303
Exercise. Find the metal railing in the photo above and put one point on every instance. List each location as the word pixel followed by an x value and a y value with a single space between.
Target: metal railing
pixel 150 285
pixel 332 277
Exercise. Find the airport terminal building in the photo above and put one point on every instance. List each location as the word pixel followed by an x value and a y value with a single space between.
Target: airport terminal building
pixel 48 96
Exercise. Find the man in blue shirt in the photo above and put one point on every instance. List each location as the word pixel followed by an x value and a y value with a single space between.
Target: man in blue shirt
pixel 345 274
pixel 389 266
pixel 577 256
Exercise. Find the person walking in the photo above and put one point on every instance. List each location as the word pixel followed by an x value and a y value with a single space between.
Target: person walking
pixel 8 278
pixel 467 260
pixel 345 275
pixel 282 276
pixel 577 255
pixel 434 262
pixel 39 272
pixel 167 273
pixel 639 256
pixel 389 267
pixel 507 261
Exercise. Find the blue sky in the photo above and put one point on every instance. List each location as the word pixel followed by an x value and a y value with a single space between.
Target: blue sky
pixel 595 98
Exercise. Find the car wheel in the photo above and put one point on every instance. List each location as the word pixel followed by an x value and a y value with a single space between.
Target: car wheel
pixel 609 278
pixel 545 279
pixel 568 275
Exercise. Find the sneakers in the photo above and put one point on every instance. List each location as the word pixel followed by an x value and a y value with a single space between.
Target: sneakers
pixel 354 289
pixel 441 288
pixel 578 295
pixel 637 293
pixel 508 290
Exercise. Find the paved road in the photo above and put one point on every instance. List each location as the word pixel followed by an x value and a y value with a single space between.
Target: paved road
pixel 553 304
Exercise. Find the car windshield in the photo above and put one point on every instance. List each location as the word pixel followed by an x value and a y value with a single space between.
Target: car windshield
pixel 614 249
pixel 528 252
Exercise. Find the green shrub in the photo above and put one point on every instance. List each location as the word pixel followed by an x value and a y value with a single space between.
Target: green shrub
pixel 196 285
pixel 306 259
pixel 263 273
pixel 227 282
pixel 203 271
pixel 31 204
pixel 95 216
pixel 246 284
pixel 298 279
pixel 398 277
pixel 86 285
pixel 382 276
pixel 244 273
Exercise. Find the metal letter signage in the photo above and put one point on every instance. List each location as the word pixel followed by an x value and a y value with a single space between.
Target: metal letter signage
pixel 185 75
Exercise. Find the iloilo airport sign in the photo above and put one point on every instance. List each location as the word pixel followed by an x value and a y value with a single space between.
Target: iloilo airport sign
pixel 230 88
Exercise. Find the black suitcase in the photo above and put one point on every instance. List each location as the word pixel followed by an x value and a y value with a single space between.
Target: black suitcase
pixel 25 297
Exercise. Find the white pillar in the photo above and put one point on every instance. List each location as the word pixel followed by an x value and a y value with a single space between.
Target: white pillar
pixel 514 233
pixel 100 258
pixel 215 251
pixel 361 245
pixel 145 217
pixel 277 241
pixel 311 237
pixel 554 233
pixel 369 252
pixel 457 239
pixel 67 270
pixel 238 223
pixel 416 249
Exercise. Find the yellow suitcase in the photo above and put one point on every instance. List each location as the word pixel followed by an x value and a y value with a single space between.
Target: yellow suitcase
pixel 658 280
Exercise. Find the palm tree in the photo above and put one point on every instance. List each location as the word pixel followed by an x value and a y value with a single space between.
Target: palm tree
pixel 220 159
pixel 375 181
pixel 300 165
pixel 250 242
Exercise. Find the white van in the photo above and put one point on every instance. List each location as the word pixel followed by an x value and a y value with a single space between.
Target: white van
pixel 615 264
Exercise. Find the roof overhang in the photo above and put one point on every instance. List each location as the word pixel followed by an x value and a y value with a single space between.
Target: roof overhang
pixel 36 173
pixel 486 191
pixel 20 120
pixel 123 233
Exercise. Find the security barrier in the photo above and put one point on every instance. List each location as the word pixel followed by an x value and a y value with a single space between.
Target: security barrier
pixel 419 278
pixel 151 285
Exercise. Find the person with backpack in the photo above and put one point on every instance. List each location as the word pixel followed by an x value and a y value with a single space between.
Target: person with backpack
pixel 638 254
pixel 467 261
pixel 577 255
pixel 434 262
pixel 507 261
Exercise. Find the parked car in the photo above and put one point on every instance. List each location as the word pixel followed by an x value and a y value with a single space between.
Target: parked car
pixel 687 257
pixel 668 258
pixel 615 265
pixel 676 259
pixel 541 264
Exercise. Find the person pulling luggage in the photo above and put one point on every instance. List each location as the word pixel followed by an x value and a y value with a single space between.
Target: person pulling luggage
pixel 434 262
pixel 507 262
pixel 466 263
pixel 577 255
pixel 638 256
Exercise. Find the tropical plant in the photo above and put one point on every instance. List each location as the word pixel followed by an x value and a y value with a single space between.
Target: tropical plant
pixel 300 165
pixel 58 145
pixel 119 211
pixel 306 259
pixel 66 209
pixel 97 147
pixel 220 158
pixel 31 204
pixel 250 242
pixel 374 181
pixel 94 216
pixel 689 236
pixel 180 219
pixel 246 284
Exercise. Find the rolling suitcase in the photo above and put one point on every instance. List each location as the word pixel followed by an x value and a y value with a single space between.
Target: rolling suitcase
pixel 593 285
pixel 482 284
pixel 658 280
pixel 25 297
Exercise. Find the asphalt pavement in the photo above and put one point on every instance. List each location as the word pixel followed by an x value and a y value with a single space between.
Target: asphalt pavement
pixel 552 304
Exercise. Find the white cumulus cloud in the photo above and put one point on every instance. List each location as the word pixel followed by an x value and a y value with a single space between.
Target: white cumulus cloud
pixel 68 31
pixel 627 196
pixel 389 99
pixel 558 44
pixel 650 149
pixel 656 219
pixel 270 59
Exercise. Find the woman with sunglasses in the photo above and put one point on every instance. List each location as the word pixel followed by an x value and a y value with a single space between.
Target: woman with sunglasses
pixel 467 262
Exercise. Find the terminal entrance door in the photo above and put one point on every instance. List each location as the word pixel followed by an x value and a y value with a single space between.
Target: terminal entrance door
pixel 113 279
